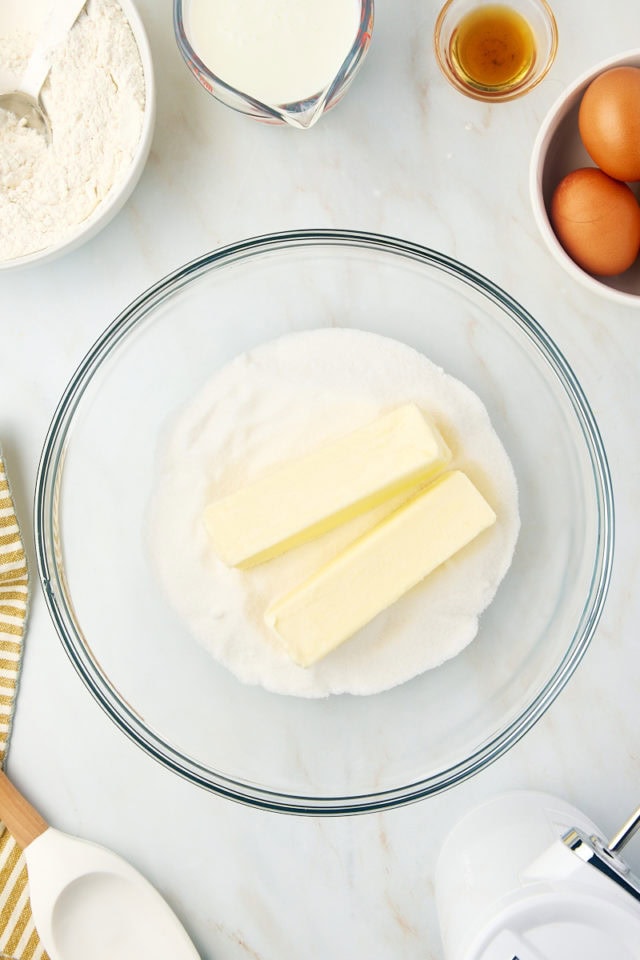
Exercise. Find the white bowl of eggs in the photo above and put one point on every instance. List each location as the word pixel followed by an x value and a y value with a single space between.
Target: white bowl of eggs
pixel 585 179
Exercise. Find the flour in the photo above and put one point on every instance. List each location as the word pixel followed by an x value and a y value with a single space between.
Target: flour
pixel 279 401
pixel 95 98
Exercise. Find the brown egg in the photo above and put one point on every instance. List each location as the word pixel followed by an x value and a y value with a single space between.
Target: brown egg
pixel 597 221
pixel 609 122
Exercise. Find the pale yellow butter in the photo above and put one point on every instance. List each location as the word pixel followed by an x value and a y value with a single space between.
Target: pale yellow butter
pixel 302 499
pixel 379 567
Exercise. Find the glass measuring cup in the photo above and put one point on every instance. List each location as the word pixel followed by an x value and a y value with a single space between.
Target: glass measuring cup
pixel 301 113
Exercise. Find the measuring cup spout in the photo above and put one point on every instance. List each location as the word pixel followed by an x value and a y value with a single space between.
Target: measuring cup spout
pixel 304 115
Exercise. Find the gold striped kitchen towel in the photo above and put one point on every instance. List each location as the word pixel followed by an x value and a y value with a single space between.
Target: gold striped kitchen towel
pixel 18 937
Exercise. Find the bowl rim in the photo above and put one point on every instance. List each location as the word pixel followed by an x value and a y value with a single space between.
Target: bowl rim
pixel 121 191
pixel 556 113
pixel 124 715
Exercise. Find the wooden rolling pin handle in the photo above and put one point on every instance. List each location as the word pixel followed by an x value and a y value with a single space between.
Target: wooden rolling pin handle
pixel 19 817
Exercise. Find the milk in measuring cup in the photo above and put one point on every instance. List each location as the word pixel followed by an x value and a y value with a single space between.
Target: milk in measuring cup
pixel 276 51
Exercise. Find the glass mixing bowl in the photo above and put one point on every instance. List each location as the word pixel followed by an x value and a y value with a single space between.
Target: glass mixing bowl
pixel 342 754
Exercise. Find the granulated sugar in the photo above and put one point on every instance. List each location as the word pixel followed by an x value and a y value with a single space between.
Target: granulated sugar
pixel 278 402
pixel 95 98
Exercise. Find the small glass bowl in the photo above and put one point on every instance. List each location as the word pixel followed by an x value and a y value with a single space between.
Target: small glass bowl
pixel 541 20
pixel 341 754
pixel 301 114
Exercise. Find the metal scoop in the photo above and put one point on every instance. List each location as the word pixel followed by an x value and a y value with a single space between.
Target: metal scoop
pixel 85 900
pixel 25 102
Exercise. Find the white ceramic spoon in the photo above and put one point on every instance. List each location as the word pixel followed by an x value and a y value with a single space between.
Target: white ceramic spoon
pixel 86 901
pixel 25 101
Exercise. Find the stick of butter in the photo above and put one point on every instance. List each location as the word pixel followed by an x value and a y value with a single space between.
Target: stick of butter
pixel 378 568
pixel 302 499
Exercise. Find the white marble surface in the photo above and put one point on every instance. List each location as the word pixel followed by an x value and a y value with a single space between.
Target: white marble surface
pixel 407 155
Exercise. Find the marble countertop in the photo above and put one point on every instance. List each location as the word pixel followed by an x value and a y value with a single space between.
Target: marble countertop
pixel 403 154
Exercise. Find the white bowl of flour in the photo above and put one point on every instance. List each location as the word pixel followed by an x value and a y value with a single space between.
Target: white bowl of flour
pixel 100 97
